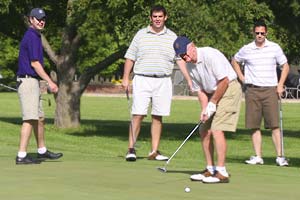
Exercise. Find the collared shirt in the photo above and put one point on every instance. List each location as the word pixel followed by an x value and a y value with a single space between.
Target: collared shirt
pixel 31 49
pixel 211 67
pixel 260 63
pixel 152 52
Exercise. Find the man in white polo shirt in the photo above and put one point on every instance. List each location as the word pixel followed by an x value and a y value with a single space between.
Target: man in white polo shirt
pixel 219 94
pixel 260 59
pixel 152 57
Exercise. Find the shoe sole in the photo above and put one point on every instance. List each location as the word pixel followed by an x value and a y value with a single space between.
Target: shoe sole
pixel 31 163
pixel 43 158
pixel 130 159
pixel 224 181
pixel 253 163
pixel 282 165
pixel 196 180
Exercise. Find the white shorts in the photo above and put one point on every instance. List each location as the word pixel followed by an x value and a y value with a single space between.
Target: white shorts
pixel 30 99
pixel 158 91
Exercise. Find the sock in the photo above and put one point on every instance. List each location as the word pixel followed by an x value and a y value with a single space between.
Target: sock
pixel 42 150
pixel 22 154
pixel 222 170
pixel 211 168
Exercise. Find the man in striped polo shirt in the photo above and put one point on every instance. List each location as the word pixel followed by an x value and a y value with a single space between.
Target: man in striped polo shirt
pixel 152 57
pixel 260 59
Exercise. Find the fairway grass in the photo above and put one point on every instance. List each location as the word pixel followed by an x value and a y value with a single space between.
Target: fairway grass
pixel 93 166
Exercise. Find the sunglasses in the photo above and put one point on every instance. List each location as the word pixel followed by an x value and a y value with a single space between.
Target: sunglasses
pixel 262 33
pixel 182 55
pixel 39 20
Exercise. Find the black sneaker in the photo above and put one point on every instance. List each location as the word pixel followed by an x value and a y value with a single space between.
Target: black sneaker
pixel 26 160
pixel 49 155
pixel 131 155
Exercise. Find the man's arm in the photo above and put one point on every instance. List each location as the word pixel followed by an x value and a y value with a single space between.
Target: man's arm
pixel 127 69
pixel 222 86
pixel 203 99
pixel 183 68
pixel 283 76
pixel 237 68
pixel 41 72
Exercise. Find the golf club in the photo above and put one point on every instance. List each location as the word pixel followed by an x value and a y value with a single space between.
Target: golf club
pixel 164 169
pixel 6 86
pixel 131 123
pixel 281 127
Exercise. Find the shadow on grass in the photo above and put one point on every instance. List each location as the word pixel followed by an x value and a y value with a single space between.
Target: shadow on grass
pixel 171 131
pixel 119 129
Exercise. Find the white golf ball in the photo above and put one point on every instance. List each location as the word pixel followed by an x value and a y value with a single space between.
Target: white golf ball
pixel 187 189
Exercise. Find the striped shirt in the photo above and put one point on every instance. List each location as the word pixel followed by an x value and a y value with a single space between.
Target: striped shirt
pixel 153 53
pixel 211 67
pixel 260 63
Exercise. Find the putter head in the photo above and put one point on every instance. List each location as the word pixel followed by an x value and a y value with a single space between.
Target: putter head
pixel 162 169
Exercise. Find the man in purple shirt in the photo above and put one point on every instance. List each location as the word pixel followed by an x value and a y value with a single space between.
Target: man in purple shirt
pixel 30 71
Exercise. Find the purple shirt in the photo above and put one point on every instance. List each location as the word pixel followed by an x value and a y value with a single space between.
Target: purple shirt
pixel 31 49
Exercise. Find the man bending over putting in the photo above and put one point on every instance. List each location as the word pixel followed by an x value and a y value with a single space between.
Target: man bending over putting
pixel 219 93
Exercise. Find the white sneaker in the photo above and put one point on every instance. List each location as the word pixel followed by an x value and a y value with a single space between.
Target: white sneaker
pixel 282 161
pixel 201 175
pixel 255 160
pixel 156 155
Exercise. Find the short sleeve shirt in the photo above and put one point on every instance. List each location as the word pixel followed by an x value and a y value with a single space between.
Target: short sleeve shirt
pixel 31 49
pixel 153 53
pixel 260 63
pixel 211 67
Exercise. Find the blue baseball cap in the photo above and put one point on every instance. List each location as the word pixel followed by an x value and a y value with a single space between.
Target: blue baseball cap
pixel 37 13
pixel 180 45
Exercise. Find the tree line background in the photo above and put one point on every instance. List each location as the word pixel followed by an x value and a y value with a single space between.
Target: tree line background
pixel 89 37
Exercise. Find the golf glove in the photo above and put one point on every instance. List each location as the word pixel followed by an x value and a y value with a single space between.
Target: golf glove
pixel 210 109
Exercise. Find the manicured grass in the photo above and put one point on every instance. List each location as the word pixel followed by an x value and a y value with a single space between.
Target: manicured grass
pixel 93 166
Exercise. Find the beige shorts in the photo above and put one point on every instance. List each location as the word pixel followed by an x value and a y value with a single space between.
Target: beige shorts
pixel 157 91
pixel 228 110
pixel 30 99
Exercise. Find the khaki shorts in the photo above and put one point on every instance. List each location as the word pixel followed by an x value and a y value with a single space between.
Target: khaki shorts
pixel 157 91
pixel 30 99
pixel 228 110
pixel 262 102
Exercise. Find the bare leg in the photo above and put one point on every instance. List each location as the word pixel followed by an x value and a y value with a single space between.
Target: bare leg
pixel 156 129
pixel 256 142
pixel 220 143
pixel 207 146
pixel 25 134
pixel 39 133
pixel 134 129
pixel 277 141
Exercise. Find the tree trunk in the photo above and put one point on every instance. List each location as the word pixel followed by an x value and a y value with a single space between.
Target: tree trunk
pixel 67 114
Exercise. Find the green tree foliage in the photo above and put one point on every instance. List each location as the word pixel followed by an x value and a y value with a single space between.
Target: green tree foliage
pixel 287 23
pixel 88 37
pixel 225 25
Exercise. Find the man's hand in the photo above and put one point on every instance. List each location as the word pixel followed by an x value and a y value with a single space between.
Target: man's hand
pixel 52 87
pixel 210 109
pixel 126 84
